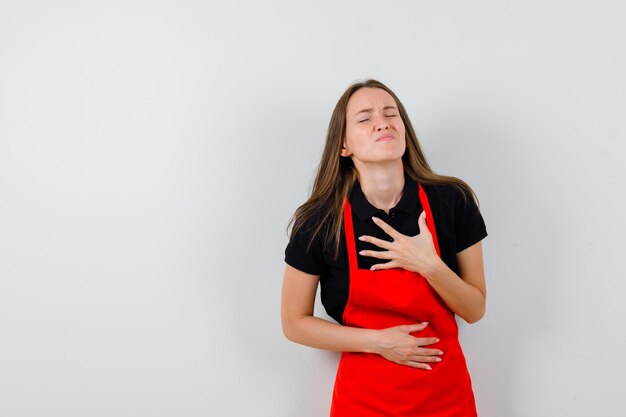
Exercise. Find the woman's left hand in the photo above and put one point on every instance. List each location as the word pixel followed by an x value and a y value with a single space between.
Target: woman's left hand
pixel 416 253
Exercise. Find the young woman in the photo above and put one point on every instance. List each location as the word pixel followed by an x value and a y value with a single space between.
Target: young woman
pixel 397 250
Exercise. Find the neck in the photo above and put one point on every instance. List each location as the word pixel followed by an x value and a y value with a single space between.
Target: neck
pixel 382 185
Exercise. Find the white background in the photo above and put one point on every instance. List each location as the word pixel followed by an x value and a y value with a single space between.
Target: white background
pixel 152 152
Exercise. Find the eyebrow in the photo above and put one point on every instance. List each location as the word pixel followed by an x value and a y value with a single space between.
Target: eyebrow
pixel 369 110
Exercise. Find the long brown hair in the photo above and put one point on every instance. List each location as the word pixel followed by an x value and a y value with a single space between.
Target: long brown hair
pixel 336 175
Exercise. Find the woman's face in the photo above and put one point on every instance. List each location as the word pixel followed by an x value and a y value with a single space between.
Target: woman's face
pixel 374 128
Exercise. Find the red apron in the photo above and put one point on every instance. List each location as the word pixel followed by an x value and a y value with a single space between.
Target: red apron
pixel 368 385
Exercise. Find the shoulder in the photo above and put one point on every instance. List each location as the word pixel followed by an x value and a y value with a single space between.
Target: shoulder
pixel 457 216
pixel 304 249
pixel 305 233
pixel 445 195
pixel 453 203
pixel 447 191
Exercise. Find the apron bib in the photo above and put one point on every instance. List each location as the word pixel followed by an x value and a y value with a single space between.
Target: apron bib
pixel 368 385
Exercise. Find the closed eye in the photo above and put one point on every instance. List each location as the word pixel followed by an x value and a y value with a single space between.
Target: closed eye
pixel 389 115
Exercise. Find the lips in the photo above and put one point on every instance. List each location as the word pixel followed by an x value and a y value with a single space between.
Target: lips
pixel 385 137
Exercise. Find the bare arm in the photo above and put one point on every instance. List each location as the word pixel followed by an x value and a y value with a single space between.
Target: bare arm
pixel 466 296
pixel 299 325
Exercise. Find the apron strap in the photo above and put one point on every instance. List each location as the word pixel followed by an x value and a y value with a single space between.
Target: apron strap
pixel 349 231
pixel 349 227
pixel 430 222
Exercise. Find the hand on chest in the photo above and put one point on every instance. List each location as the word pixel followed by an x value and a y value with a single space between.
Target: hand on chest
pixel 405 223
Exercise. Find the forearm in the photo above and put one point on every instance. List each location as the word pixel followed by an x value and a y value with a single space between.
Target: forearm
pixel 464 299
pixel 321 334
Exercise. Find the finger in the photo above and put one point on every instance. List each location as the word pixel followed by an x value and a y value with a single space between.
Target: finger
pixel 376 241
pixel 425 341
pixel 418 358
pixel 388 229
pixel 386 265
pixel 380 254
pixel 421 222
pixel 428 352
pixel 419 365
pixel 410 328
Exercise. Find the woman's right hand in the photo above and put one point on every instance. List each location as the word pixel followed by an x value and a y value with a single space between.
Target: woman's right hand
pixel 398 345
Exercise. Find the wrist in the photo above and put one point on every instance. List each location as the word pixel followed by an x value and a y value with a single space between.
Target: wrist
pixel 371 341
pixel 436 267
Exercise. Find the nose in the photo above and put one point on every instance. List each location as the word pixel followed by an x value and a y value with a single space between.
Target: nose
pixel 381 123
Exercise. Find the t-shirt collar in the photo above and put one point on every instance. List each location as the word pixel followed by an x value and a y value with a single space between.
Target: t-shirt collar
pixel 364 210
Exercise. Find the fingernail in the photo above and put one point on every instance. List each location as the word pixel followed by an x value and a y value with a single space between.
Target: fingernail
pixel 438 359
pixel 428 367
pixel 374 218
pixel 424 322
pixel 441 353
pixel 360 237
pixel 436 340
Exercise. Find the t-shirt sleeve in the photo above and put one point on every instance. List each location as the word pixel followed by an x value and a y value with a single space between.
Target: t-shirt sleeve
pixel 469 223
pixel 296 254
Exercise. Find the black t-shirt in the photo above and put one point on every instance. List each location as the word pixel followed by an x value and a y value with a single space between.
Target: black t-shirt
pixel 458 224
